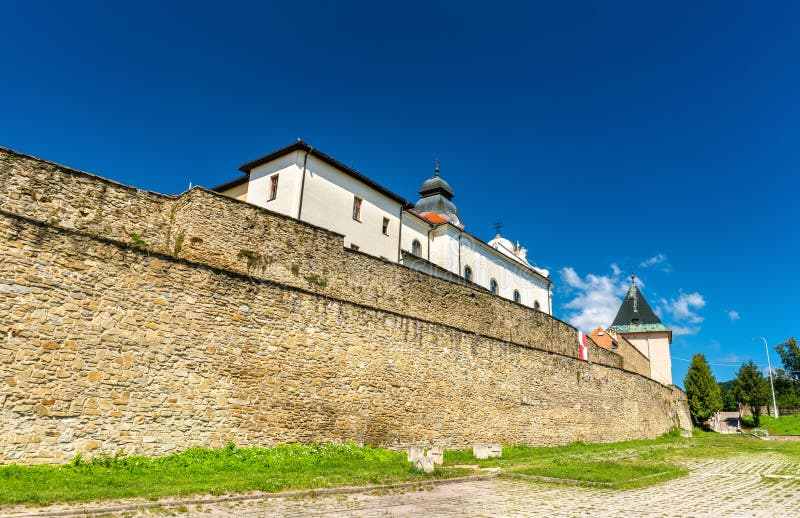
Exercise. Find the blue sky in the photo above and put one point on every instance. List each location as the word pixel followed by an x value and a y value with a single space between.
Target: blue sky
pixel 608 137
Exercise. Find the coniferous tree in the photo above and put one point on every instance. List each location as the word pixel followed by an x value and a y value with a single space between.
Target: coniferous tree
pixel 729 403
pixel 702 390
pixel 752 389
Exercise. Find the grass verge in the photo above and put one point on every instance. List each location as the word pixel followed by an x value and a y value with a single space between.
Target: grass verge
pixel 608 473
pixel 200 470
pixel 784 425
pixel 230 469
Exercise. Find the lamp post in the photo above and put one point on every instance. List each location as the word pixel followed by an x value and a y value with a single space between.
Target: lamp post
pixel 771 386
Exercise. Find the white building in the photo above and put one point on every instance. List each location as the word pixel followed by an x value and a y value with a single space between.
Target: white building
pixel 301 182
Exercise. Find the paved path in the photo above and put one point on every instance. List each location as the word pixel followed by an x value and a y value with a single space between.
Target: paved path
pixel 728 422
pixel 718 488
pixel 715 488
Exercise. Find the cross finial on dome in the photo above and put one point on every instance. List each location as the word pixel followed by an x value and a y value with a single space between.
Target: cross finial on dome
pixel 436 169
pixel 633 279
pixel 498 226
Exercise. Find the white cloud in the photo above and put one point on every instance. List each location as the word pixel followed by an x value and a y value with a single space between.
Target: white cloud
pixel 684 308
pixel 597 299
pixel 573 280
pixel 731 358
pixel 659 260
pixel 733 315
pixel 684 330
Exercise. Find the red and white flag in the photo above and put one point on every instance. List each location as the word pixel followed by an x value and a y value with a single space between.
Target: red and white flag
pixel 583 346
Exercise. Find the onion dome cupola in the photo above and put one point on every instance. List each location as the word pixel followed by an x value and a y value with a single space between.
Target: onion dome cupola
pixel 436 203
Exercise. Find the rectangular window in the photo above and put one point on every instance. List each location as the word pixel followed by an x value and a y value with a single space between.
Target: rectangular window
pixel 385 226
pixel 357 208
pixel 273 187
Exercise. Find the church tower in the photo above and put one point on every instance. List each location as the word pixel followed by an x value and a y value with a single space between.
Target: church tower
pixel 638 324
pixel 435 204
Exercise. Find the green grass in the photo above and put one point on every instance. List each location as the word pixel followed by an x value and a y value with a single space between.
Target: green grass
pixel 784 425
pixel 613 473
pixel 199 470
pixel 623 464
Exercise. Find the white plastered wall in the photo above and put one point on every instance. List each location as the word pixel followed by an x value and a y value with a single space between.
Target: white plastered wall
pixel 328 202
pixel 655 346
pixel 415 228
pixel 487 264
pixel 289 175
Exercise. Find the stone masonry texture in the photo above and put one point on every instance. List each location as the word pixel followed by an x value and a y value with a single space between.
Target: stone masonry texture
pixel 143 323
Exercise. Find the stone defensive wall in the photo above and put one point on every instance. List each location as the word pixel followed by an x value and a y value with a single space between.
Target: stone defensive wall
pixel 144 323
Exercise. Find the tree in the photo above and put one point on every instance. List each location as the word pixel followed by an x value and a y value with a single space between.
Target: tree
pixel 787 380
pixel 702 390
pixel 790 356
pixel 729 403
pixel 751 388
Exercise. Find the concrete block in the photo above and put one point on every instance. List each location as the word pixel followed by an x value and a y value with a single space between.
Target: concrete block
pixel 495 451
pixel 415 451
pixel 425 464
pixel 437 454
pixel 480 450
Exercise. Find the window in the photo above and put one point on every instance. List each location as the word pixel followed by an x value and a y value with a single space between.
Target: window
pixel 493 286
pixel 536 305
pixel 273 187
pixel 353 246
pixel 468 273
pixel 516 296
pixel 357 208
pixel 385 226
pixel 416 247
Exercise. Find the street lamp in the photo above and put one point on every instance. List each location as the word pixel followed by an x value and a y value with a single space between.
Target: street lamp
pixel 771 386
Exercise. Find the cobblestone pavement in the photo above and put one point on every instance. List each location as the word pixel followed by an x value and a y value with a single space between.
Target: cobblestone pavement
pixel 719 488
pixel 765 485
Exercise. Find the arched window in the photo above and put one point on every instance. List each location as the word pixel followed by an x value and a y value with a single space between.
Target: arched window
pixel 416 247
pixel 536 305
pixel 516 296
pixel 493 286
pixel 468 273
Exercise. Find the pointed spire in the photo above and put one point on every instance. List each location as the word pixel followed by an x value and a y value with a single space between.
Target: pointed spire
pixel 635 311
pixel 436 169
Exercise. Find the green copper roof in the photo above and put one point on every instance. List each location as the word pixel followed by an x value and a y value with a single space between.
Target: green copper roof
pixel 639 328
